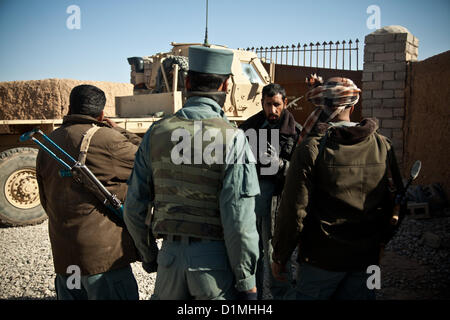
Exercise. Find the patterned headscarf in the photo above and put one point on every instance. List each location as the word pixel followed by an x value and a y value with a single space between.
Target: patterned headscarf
pixel 332 97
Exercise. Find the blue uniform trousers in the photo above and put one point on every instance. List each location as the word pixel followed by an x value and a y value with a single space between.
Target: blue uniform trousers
pixel 118 284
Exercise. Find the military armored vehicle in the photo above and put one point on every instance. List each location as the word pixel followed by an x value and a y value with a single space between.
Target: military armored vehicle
pixel 159 84
pixel 158 90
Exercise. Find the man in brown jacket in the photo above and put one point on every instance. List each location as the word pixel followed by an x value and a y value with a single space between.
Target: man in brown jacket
pixel 91 247
pixel 336 205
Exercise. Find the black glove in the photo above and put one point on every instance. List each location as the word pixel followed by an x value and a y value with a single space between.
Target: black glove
pixel 243 295
pixel 150 267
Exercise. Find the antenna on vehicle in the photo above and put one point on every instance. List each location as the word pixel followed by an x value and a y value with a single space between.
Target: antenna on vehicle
pixel 205 43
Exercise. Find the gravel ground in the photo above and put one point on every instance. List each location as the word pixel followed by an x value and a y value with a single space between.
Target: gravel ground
pixel 26 265
pixel 418 260
pixel 416 265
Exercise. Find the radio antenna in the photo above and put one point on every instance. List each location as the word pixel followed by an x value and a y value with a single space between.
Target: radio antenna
pixel 206 29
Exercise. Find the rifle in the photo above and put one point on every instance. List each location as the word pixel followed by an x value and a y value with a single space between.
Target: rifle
pixel 79 172
pixel 400 198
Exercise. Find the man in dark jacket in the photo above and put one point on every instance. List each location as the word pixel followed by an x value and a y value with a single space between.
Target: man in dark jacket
pixel 272 133
pixel 87 239
pixel 336 205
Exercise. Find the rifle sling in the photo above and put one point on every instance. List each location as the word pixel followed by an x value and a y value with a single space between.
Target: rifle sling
pixel 87 136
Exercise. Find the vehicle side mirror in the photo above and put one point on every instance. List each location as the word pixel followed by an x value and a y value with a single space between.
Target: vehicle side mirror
pixel 415 169
pixel 138 64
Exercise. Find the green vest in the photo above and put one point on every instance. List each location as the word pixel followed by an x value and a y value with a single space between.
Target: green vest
pixel 187 194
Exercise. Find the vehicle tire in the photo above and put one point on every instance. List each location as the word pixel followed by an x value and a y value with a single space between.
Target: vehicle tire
pixel 19 192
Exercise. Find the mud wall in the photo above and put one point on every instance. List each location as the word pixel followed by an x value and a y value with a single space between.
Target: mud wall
pixel 49 98
pixel 427 119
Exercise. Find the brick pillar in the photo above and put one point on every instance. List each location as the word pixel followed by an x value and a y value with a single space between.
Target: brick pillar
pixel 387 52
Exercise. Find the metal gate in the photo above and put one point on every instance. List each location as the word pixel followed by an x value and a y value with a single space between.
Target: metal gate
pixel 296 62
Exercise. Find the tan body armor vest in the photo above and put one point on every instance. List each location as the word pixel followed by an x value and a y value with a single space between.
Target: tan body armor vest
pixel 187 192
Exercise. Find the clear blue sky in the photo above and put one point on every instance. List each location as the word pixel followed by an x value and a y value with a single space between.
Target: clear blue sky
pixel 36 44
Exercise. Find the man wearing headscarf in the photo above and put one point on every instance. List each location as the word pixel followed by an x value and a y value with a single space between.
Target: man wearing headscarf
pixel 336 205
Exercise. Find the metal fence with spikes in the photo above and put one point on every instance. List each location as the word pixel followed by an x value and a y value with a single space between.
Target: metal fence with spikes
pixel 332 55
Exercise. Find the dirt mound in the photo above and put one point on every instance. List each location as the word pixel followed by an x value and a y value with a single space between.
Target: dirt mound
pixel 49 98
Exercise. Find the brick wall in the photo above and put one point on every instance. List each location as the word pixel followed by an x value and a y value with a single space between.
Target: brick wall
pixel 387 53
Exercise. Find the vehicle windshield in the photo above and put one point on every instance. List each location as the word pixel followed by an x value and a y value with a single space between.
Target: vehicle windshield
pixel 249 71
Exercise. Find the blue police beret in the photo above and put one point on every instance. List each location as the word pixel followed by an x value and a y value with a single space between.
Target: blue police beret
pixel 209 60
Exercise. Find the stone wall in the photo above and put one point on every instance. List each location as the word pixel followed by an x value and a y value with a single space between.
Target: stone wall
pixel 410 99
pixel 387 53
pixel 49 98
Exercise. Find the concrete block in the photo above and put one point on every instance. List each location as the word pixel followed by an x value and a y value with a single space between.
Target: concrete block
pixel 368 57
pixel 414 51
pixel 401 37
pixel 366 76
pixel 398 112
pixel 419 210
pixel 397 134
pixel 374 48
pixel 395 47
pixel 383 94
pixel 416 41
pixel 386 132
pixel 405 56
pixel 401 56
pixel 392 124
pixel 411 57
pixel 400 75
pixel 383 113
pixel 395 66
pixel 395 84
pixel 377 76
pixel 394 103
pixel 367 94
pixel 410 38
pixel 384 38
pixel 390 56
pixel 369 39
pixel 372 85
pixel 374 67
pixel 366 112
pixel 397 143
pixel 372 103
